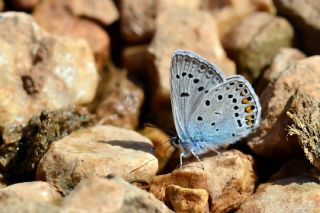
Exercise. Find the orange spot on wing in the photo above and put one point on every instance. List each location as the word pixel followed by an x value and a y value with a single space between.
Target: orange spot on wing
pixel 245 101
pixel 248 109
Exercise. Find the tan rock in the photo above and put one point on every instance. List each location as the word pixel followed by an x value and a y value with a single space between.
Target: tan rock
pixel 291 189
pixel 270 139
pixel 283 198
pixel 163 149
pixel 163 5
pixel 279 63
pixel 229 13
pixel 185 33
pixel 35 191
pixel 103 11
pixel 55 17
pixel 229 179
pixel 111 195
pixel 254 42
pixel 98 150
pixel 11 204
pixel 138 17
pixel 137 20
pixel 187 200
pixel 118 100
pixel 304 16
pixel 52 73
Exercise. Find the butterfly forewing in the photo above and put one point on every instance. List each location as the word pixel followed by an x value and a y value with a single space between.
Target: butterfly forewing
pixel 192 77
pixel 225 114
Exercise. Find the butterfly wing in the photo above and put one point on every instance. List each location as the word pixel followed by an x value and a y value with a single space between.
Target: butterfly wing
pixel 191 78
pixel 224 115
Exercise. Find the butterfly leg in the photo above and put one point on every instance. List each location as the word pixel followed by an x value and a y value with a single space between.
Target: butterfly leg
pixel 196 156
pixel 181 155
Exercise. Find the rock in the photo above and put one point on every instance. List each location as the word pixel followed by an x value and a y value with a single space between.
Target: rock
pixel 103 11
pixel 34 191
pixel 52 73
pixel 305 116
pixel 229 179
pixel 164 5
pixel 163 149
pixel 187 200
pixel 118 100
pixel 24 4
pixel 25 147
pixel 138 18
pixel 55 17
pixel 185 33
pixel 291 189
pixel 111 194
pixel 304 17
pixel 270 139
pixel 228 14
pixel 8 203
pixel 279 63
pixel 98 151
pixel 283 198
pixel 253 43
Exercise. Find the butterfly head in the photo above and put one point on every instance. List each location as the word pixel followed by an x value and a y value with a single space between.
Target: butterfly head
pixel 176 142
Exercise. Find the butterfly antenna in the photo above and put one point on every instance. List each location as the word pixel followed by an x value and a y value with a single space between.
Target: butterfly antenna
pixel 166 150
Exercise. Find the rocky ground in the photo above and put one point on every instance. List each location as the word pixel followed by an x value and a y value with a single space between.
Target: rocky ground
pixel 80 79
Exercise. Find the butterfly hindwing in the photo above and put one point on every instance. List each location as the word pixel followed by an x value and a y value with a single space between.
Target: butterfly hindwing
pixel 192 77
pixel 225 114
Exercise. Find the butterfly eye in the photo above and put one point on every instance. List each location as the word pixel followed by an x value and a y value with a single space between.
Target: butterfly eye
pixel 175 142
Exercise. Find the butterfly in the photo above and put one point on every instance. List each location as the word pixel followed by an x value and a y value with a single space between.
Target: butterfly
pixel 209 109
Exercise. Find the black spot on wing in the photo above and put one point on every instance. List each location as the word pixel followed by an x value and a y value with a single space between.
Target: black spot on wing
pixel 184 94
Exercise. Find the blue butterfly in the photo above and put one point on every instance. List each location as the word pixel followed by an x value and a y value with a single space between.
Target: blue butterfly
pixel 209 109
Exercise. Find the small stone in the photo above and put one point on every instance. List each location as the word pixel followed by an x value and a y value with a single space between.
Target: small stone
pixel 55 17
pixel 163 148
pixel 229 13
pixel 279 63
pixel 111 194
pixel 304 16
pixel 270 139
pixel 118 100
pixel 187 200
pixel 11 203
pixel 137 20
pixel 99 150
pixel 254 42
pixel 52 73
pixel 35 191
pixel 229 179
pixel 103 11
pixel 292 188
